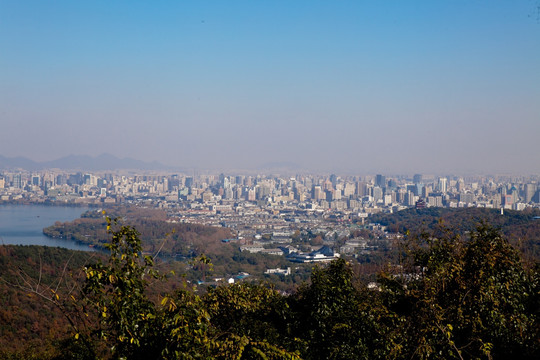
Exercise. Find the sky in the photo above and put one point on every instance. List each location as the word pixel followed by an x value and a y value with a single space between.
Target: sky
pixel 333 86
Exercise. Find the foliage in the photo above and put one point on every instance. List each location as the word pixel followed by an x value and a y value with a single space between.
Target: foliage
pixel 519 227
pixel 36 283
pixel 335 319
pixel 464 298
pixel 116 292
pixel 250 319
pixel 182 326
pixel 450 296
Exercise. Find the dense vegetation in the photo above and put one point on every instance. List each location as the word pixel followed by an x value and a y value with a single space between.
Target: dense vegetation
pixel 521 228
pixel 30 323
pixel 450 297
pixel 157 234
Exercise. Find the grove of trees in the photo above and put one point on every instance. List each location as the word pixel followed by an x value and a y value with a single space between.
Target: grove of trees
pixel 450 297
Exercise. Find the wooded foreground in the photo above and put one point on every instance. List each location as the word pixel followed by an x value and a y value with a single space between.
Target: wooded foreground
pixel 449 297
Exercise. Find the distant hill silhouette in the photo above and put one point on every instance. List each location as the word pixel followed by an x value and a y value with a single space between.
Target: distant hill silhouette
pixel 81 162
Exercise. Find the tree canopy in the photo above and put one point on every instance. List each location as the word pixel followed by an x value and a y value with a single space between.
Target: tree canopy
pixel 451 296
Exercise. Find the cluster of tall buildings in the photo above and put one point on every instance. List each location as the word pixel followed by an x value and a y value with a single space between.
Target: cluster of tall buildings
pixel 349 193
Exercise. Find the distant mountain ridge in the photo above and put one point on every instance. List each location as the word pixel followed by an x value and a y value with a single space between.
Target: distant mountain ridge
pixel 81 162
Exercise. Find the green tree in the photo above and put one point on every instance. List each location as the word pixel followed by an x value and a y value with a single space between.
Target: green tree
pixel 251 320
pixel 183 325
pixel 464 298
pixel 116 292
pixel 330 317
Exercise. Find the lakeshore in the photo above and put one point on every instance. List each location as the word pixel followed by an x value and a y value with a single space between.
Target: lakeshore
pixel 23 225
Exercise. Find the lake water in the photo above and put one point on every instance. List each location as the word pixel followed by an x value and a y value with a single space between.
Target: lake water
pixel 23 225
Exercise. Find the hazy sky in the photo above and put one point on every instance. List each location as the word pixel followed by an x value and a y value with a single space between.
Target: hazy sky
pixel 363 86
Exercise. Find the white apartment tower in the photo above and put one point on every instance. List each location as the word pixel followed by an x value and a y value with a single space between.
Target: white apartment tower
pixel 443 185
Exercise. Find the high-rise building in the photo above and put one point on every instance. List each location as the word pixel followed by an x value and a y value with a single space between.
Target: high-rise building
pixel 17 181
pixel 529 191
pixel 333 179
pixel 460 185
pixel 435 201
pixel 377 194
pixel 514 194
pixel 417 178
pixel 400 195
pixel 443 185
pixel 536 197
pixel 380 180
pixel 361 188
pixel 61 179
pixel 328 195
pixel 250 195
pixel 419 187
pixel 425 191
pixel 262 192
pixel 228 193
pixel 507 200
pixel 318 194
pixel 410 198
pixel 87 179
pixel 392 184
pixel 348 190
pixel 36 180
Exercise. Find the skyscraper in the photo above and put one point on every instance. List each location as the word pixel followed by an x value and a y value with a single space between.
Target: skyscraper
pixel 443 185
pixel 380 180
pixel 530 190
pixel 318 194
pixel 377 193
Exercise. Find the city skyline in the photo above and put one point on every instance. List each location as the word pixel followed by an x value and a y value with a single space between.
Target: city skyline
pixel 356 87
pixel 349 194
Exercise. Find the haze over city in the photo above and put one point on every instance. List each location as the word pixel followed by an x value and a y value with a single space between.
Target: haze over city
pixel 356 86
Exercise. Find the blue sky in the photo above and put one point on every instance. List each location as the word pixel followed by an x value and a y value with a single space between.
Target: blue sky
pixel 356 86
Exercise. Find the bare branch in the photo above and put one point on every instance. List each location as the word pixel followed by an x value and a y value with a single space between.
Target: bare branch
pixel 63 272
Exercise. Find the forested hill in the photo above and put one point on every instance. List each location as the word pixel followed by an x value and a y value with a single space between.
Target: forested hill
pixel 157 233
pixel 28 275
pixel 522 228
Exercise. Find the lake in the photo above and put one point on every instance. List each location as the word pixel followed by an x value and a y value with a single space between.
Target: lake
pixel 23 224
